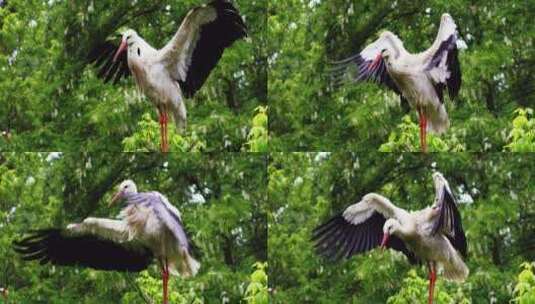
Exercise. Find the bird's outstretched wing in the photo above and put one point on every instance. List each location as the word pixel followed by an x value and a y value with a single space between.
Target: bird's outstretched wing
pixel 443 65
pixel 359 229
pixel 102 57
pixel 448 221
pixel 360 67
pixel 166 212
pixel 61 247
pixel 200 41
pixel 172 219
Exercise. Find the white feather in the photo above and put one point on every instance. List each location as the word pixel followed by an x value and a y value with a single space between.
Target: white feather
pixel 176 54
pixel 370 203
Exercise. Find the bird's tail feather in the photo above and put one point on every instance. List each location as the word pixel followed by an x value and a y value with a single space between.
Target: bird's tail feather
pixel 185 265
pixel 179 115
pixel 190 266
pixel 437 119
pixel 455 269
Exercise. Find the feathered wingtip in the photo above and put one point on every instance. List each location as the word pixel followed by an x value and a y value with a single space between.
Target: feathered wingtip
pixel 101 57
pixel 33 245
pixel 231 16
pixel 343 71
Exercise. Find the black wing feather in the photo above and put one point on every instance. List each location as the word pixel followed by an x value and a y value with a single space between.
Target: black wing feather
pixel 339 238
pixel 214 38
pixel 455 80
pixel 102 57
pixel 448 48
pixel 59 248
pixel 362 71
pixel 449 221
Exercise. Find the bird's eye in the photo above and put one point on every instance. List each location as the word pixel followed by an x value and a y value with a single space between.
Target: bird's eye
pixel 126 186
pixel 128 37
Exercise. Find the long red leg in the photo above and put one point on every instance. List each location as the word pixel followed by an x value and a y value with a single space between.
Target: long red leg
pixel 420 126
pixel 432 279
pixel 165 138
pixel 161 118
pixel 424 127
pixel 165 279
pixel 166 132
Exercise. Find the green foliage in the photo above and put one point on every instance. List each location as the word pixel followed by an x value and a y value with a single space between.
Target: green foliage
pixel 524 291
pixel 414 290
pixel 258 136
pixel 522 136
pixel 151 288
pixel 147 138
pixel 257 291
pixel 406 138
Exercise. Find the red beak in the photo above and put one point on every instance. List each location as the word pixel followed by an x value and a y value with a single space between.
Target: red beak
pixel 375 62
pixel 121 49
pixel 385 240
pixel 116 197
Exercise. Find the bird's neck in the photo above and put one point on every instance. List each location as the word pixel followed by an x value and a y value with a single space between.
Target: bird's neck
pixel 131 198
pixel 402 231
pixel 140 49
pixel 395 45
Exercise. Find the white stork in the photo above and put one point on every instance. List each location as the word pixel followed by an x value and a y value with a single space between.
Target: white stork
pixel 178 69
pixel 148 227
pixel 419 78
pixel 434 235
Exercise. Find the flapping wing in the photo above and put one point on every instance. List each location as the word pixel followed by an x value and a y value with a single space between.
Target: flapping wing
pixel 340 238
pixel 170 216
pixel 60 247
pixel 200 41
pixel 372 203
pixel 358 229
pixel 448 221
pixel 360 67
pixel 443 66
pixel 102 57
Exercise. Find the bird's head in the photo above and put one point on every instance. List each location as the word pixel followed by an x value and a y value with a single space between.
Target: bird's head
pixel 386 54
pixel 126 187
pixel 390 45
pixel 390 227
pixel 128 37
